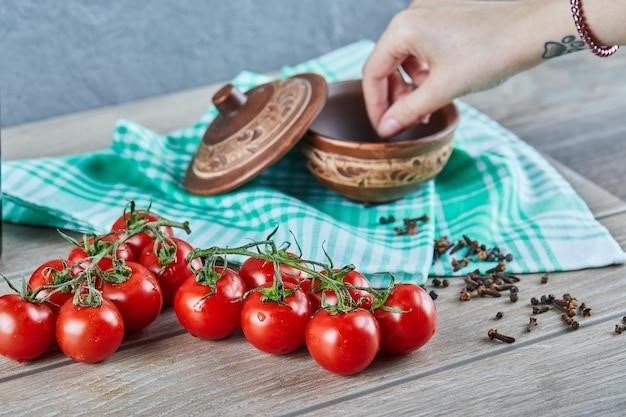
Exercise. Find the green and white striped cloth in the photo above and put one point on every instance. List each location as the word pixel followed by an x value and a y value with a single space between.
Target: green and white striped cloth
pixel 495 188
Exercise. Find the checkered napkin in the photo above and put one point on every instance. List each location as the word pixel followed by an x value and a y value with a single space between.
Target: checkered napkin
pixel 495 189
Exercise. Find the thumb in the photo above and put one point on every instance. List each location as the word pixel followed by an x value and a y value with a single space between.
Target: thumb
pixel 412 108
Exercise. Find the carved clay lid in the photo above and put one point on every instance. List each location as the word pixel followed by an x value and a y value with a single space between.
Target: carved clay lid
pixel 253 131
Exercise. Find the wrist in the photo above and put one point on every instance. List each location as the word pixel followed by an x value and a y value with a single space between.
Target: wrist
pixel 551 31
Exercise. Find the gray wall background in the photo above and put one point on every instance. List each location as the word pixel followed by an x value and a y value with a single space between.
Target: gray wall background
pixel 69 55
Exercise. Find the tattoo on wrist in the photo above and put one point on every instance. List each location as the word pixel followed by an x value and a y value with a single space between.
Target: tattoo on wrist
pixel 567 45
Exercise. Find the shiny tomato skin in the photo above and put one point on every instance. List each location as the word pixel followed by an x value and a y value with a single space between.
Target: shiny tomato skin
pixel 78 254
pixel 43 276
pixel 215 316
pixel 26 328
pixel 171 276
pixel 139 298
pixel 276 328
pixel 343 343
pixel 257 272
pixel 89 334
pixel 363 298
pixel 413 325
pixel 139 241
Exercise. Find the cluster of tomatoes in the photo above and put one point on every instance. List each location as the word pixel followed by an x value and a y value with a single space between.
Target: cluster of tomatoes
pixel 107 287
pixel 281 302
pixel 118 283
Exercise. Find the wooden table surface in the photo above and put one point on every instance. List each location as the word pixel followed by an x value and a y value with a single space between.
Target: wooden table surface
pixel 573 109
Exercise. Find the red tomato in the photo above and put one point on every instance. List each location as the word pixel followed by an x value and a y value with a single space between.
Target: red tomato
pixel 44 275
pixel 26 328
pixel 89 334
pixel 139 298
pixel 276 328
pixel 363 298
pixel 139 241
pixel 213 316
pixel 256 272
pixel 171 276
pixel 78 254
pixel 414 323
pixel 343 343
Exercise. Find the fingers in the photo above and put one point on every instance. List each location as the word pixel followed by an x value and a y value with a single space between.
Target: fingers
pixel 377 72
pixel 413 108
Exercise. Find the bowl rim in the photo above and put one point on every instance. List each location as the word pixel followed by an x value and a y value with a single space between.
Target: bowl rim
pixel 438 135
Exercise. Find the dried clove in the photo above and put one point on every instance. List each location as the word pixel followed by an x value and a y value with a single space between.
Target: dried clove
pixel 540 309
pixel 619 328
pixel 534 301
pixel 513 297
pixel 573 324
pixel 501 267
pixel 532 324
pixel 465 295
pixel 499 315
pixel 482 291
pixel 544 279
pixel 437 282
pixel 493 334
pixel 387 220
pixel 459 264
pixel 445 283
pixel 423 218
pixel 460 244
pixel 433 295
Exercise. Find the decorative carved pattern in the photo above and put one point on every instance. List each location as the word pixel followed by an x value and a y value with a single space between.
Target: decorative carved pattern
pixel 373 173
pixel 282 111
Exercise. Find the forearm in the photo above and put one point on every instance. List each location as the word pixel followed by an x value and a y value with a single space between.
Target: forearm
pixel 450 48
pixel 547 28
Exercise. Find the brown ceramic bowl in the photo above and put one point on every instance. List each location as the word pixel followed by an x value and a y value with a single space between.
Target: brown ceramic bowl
pixel 345 154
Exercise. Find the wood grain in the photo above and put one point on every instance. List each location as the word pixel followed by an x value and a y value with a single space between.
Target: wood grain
pixel 225 376
pixel 93 129
pixel 569 375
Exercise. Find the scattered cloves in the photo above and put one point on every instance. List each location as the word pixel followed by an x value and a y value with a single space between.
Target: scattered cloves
pixel 445 283
pixel 532 324
pixel 619 329
pixel 437 282
pixel 544 279
pixel 499 315
pixel 513 297
pixel 540 309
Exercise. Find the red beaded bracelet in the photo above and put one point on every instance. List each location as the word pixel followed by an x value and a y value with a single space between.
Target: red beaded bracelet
pixel 585 32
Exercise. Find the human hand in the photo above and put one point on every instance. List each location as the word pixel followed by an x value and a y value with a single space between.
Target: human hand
pixel 450 48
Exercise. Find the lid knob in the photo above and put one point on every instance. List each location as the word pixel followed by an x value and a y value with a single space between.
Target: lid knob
pixel 228 99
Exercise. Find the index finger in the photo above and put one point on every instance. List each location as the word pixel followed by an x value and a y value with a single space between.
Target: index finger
pixel 380 66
